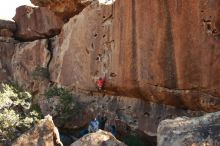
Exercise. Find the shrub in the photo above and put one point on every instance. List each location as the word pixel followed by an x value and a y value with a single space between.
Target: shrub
pixel 16 115
pixel 68 105
pixel 41 72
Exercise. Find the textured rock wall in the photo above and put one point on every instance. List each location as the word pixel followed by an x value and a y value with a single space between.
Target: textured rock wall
pixel 165 52
pixel 28 58
pixel 76 48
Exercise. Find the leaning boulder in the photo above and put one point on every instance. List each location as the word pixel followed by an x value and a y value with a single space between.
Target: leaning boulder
pixel 36 23
pixel 190 131
pixel 99 138
pixel 43 134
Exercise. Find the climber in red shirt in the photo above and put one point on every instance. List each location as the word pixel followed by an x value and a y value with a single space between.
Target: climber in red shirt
pixel 100 83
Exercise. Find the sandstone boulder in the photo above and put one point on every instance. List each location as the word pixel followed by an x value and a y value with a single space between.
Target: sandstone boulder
pixel 99 138
pixel 36 23
pixel 30 63
pixel 185 131
pixel 63 8
pixel 44 133
pixel 161 52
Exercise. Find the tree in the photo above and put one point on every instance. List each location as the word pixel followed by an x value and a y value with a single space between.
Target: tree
pixel 16 112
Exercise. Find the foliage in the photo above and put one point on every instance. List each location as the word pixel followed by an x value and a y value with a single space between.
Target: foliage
pixel 68 106
pixel 16 115
pixel 36 109
pixel 41 72
pixel 65 95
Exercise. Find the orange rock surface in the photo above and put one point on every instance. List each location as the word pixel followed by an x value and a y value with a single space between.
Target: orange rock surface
pixel 165 52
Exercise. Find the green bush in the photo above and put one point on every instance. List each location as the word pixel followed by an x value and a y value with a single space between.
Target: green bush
pixel 16 115
pixel 41 72
pixel 65 95
pixel 68 105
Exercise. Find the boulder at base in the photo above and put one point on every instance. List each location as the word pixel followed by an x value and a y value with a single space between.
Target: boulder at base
pixel 100 138
pixel 200 131
pixel 43 134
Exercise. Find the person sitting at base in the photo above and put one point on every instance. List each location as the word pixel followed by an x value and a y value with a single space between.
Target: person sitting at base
pixel 100 83
pixel 93 125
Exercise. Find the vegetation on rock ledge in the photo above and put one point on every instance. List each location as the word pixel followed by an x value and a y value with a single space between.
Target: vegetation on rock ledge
pixel 41 72
pixel 68 105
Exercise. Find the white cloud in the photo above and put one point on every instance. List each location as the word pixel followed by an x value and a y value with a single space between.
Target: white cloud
pixel 8 7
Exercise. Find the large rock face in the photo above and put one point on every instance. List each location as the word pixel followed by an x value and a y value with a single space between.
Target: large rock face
pixel 44 133
pixel 166 52
pixel 63 8
pixel 190 132
pixel 36 23
pixel 99 138
pixel 31 60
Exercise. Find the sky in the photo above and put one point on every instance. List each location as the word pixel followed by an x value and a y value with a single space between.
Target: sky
pixel 8 7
